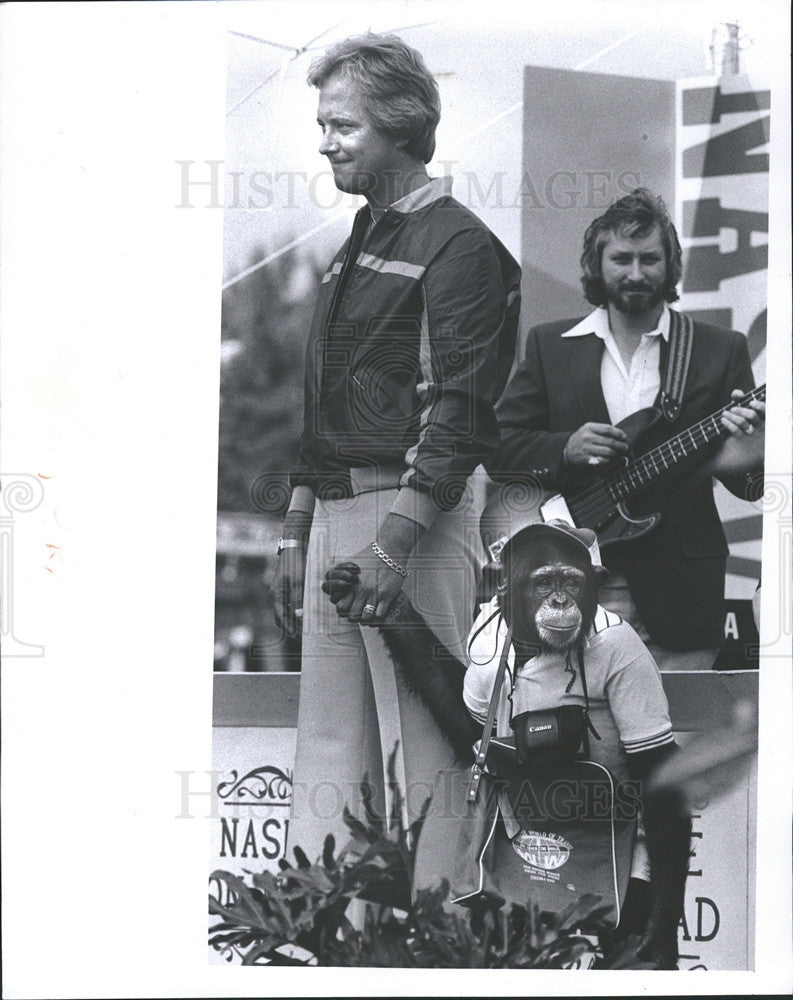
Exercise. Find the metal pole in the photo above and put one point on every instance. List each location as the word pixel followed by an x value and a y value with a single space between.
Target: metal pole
pixel 725 48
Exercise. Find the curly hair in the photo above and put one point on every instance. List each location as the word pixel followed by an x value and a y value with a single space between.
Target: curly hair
pixel 635 215
pixel 399 93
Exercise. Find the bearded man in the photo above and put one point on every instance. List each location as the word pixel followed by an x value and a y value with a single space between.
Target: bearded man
pixel 577 380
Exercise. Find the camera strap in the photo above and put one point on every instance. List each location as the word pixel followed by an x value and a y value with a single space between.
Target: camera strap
pixel 588 726
pixel 487 732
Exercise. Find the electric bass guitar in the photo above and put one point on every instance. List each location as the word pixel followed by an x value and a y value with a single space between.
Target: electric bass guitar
pixel 601 503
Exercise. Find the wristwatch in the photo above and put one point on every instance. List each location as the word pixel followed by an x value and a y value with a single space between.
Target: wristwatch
pixel 288 543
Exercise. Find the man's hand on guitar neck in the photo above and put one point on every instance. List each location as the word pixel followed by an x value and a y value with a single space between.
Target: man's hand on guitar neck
pixel 741 454
pixel 594 444
pixel 743 419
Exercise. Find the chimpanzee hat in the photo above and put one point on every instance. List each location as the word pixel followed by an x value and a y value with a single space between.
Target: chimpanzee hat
pixel 583 538
pixel 507 518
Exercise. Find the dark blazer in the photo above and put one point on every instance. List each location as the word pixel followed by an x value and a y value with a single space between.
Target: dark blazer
pixel 676 573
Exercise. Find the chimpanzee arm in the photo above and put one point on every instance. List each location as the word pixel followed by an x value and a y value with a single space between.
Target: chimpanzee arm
pixel 667 825
pixel 431 672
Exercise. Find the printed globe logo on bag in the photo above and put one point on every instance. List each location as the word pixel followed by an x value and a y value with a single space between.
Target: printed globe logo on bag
pixel 542 850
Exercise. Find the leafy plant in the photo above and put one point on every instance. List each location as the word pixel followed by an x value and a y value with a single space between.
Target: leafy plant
pixel 301 916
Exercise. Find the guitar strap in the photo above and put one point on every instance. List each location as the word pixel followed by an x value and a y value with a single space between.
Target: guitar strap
pixel 681 339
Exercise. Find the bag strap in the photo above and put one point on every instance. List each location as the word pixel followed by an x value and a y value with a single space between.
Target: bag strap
pixel 479 763
pixel 588 726
pixel 681 338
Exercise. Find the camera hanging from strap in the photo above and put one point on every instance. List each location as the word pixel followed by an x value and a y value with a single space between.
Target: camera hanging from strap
pixel 547 736
pixel 541 737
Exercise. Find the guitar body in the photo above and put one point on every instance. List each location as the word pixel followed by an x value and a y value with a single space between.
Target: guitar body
pixel 586 502
pixel 612 520
pixel 621 527
pixel 600 500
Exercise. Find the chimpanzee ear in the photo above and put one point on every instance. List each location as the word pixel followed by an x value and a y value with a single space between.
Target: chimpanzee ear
pixel 598 577
pixel 493 582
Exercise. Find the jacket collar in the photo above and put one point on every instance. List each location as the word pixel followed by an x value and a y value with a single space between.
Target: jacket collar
pixel 433 190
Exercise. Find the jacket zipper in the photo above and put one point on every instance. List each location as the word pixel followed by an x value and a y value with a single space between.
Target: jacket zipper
pixel 354 248
pixel 349 259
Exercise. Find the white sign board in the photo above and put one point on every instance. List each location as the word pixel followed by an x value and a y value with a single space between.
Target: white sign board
pixel 252 789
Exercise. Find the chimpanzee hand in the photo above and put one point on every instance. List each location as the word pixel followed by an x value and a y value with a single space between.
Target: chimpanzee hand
pixel 363 587
pixel 341 581
pixel 370 588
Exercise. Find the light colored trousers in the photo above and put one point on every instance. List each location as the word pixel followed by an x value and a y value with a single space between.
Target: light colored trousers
pixel 355 708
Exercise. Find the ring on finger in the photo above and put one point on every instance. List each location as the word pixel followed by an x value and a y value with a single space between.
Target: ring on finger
pixel 368 609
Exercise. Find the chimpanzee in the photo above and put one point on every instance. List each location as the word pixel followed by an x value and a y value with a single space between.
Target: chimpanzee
pixel 546 579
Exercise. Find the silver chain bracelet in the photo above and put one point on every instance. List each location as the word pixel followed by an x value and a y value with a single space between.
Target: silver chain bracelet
pixel 388 560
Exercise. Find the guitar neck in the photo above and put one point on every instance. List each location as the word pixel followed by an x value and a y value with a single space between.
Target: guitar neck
pixel 643 471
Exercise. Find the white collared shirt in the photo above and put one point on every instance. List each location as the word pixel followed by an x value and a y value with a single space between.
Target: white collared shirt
pixel 626 390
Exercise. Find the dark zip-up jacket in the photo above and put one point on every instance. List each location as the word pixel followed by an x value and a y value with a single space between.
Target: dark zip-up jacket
pixel 411 344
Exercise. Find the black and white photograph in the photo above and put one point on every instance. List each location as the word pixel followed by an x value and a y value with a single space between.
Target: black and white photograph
pixel 396 498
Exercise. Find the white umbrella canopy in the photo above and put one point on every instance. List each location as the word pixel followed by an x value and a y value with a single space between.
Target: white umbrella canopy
pixel 279 188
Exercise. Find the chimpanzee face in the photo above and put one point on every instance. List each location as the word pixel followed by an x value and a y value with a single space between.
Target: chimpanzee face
pixel 550 595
